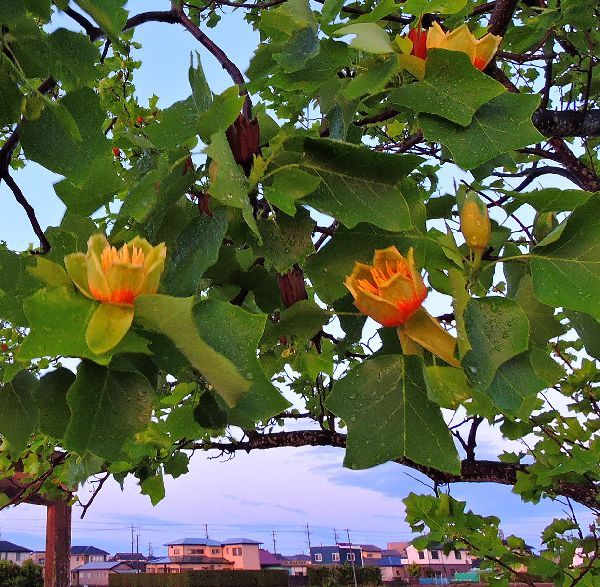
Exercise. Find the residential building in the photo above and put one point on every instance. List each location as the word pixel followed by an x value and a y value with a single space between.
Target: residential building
pixel 370 551
pixel 456 561
pixel 194 554
pixel 392 567
pixel 95 574
pixel 81 555
pixel 295 565
pixel 336 555
pixel 38 557
pixel 13 552
pixel 135 560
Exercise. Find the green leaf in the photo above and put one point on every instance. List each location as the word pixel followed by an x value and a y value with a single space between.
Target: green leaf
pixel 369 37
pixel 381 10
pixel 194 251
pixel 10 99
pixel 50 397
pixel 50 273
pixel 358 184
pixel 108 408
pixel 76 55
pixel 552 199
pixel 288 186
pixel 545 325
pixel 588 330
pixel 109 14
pixel 209 413
pixel 452 88
pixel 498 330
pixel 566 271
pixel 177 465
pixel 235 333
pixel 384 404
pixel 301 321
pixel 221 114
pixel 59 319
pixel 502 125
pixel 286 241
pixel 173 318
pixel 40 8
pixel 373 79
pixel 302 46
pixel 430 6
pixel 331 8
pixel 47 142
pixel 446 386
pixel 19 416
pixel 154 488
pixel 16 283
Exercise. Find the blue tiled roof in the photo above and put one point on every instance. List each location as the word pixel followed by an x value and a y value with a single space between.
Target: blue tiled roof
pixel 240 541
pixel 6 546
pixel 384 561
pixel 194 542
pixel 99 566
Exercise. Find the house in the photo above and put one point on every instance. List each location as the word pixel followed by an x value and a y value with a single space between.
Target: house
pixel 392 567
pixel 13 552
pixel 95 574
pixel 38 557
pixel 456 561
pixel 370 551
pixel 295 565
pixel 135 560
pixel 336 555
pixel 195 554
pixel 87 554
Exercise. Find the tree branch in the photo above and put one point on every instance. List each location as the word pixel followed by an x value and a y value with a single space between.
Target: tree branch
pixel 568 123
pixel 501 16
pixel 476 471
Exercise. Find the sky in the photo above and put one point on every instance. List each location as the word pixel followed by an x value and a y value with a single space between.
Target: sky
pixel 252 495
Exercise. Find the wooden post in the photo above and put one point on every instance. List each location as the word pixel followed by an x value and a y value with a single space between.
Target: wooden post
pixel 58 545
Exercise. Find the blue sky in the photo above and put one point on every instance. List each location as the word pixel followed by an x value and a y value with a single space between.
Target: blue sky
pixel 252 494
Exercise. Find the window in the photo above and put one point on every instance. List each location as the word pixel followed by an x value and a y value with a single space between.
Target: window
pixel 335 556
pixel 318 557
pixel 435 554
pixel 457 554
pixel 18 556
pixel 176 551
pixel 215 550
pixel 368 555
pixel 196 551
pixel 350 556
pixel 421 555
pixel 236 551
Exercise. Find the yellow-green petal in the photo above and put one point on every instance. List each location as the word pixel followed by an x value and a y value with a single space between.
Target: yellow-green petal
pixel 107 327
pixel 152 278
pixel 96 244
pixel 77 271
pixel 156 253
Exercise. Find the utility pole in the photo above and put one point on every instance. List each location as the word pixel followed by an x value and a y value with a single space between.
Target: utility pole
pixel 137 550
pixel 206 530
pixel 274 542
pixel 132 530
pixel 352 557
pixel 308 537
pixel 150 550
pixel 335 535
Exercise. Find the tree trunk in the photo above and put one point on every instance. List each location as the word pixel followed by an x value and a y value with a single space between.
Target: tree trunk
pixel 58 545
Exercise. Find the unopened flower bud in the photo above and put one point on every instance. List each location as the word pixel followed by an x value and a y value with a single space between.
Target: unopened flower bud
pixel 475 225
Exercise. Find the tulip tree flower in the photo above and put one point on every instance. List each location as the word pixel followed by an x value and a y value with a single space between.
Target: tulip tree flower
pixel 391 291
pixel 480 51
pixel 114 278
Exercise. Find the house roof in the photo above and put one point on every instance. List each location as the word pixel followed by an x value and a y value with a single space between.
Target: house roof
pixel 100 566
pixel 6 546
pixel 389 552
pixel 191 560
pixel 370 548
pixel 298 557
pixel 87 550
pixel 129 556
pixel 384 561
pixel 239 541
pixel 194 542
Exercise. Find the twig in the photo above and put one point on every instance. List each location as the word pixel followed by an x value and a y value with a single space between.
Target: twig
pixel 100 483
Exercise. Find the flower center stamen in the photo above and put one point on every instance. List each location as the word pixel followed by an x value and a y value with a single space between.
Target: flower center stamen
pixel 110 256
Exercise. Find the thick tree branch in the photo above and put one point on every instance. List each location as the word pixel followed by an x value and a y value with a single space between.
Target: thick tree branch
pixel 476 471
pixel 501 16
pixel 568 123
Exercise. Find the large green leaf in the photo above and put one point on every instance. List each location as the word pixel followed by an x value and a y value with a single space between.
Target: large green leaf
pixel 385 407
pixel 10 99
pixel 302 46
pixel 452 88
pixel 500 126
pixel 50 396
pixel 301 321
pixel 59 319
pixel 108 408
pixel 16 283
pixel 109 14
pixel 19 416
pixel 374 78
pixel 369 37
pixel 588 330
pixel 566 271
pixel 195 250
pixel 429 6
pixel 75 55
pixel 47 142
pixel 498 330
pixel 552 199
pixel 358 184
